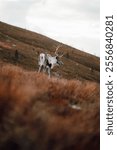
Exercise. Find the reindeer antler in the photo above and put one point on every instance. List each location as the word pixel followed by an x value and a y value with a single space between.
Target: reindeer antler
pixel 60 45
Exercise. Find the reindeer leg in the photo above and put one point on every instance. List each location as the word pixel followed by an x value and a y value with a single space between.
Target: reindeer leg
pixel 49 72
pixel 44 69
pixel 40 68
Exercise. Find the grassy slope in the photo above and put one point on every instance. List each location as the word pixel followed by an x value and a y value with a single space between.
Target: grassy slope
pixel 37 112
pixel 77 64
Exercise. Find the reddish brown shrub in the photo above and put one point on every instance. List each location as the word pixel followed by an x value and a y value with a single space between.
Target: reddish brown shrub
pixel 36 112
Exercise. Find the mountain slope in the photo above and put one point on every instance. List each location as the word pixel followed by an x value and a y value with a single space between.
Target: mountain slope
pixel 77 64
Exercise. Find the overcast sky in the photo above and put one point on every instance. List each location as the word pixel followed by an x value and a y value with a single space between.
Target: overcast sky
pixel 73 22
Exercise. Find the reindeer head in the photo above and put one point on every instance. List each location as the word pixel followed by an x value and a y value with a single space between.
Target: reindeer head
pixel 55 60
pixel 58 56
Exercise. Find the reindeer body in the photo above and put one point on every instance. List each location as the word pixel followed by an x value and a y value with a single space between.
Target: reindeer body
pixel 52 60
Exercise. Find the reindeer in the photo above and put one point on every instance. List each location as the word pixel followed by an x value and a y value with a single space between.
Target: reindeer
pixel 48 62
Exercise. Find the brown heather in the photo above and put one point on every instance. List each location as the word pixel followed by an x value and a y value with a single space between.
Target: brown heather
pixel 35 112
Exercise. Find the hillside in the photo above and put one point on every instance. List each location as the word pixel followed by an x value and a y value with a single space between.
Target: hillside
pixel 42 113
pixel 77 64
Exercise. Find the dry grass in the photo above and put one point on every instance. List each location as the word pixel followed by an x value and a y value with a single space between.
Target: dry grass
pixel 35 112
